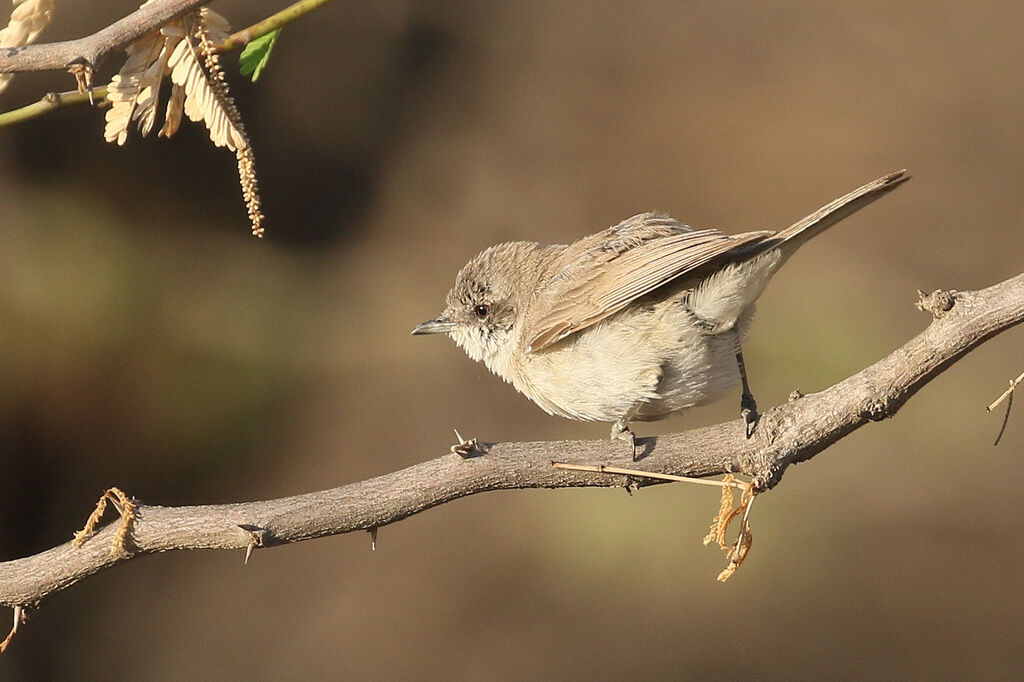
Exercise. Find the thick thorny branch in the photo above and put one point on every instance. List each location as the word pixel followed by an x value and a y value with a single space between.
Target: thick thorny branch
pixel 90 51
pixel 787 434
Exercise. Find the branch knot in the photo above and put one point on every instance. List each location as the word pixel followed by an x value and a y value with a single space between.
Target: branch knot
pixel 938 303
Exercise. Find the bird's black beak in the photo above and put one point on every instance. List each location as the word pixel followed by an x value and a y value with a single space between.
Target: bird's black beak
pixel 437 326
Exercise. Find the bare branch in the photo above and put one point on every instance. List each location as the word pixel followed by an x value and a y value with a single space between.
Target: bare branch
pixel 91 50
pixel 787 434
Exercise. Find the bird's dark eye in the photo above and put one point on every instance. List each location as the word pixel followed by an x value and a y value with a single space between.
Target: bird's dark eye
pixel 480 310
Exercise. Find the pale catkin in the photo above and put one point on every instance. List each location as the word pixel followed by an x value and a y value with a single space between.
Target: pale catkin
pixel 229 117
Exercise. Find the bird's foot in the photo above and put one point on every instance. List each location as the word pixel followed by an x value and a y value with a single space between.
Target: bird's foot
pixel 748 411
pixel 620 431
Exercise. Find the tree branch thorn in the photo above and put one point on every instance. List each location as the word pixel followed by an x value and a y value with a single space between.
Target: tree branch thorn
pixel 373 538
pixel 256 535
pixel 465 448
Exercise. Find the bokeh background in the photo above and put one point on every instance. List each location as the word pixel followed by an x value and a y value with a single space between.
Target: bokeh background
pixel 146 341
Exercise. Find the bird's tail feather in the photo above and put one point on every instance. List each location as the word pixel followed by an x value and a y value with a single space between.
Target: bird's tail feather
pixel 828 215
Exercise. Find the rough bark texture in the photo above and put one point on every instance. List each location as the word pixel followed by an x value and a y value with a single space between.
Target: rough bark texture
pixel 91 50
pixel 787 434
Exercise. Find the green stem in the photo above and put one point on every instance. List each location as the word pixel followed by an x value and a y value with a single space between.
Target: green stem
pixel 50 101
pixel 271 23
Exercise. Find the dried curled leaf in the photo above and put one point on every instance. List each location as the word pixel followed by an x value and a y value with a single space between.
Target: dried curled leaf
pixel 125 506
pixel 737 551
pixel 175 107
pixel 183 50
pixel 720 524
pixel 134 92
pixel 28 19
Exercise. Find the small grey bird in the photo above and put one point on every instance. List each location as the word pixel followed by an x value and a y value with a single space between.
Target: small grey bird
pixel 631 323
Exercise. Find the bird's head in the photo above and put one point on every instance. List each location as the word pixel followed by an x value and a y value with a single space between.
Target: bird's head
pixel 480 310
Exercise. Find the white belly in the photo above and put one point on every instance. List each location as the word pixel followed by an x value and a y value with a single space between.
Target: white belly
pixel 643 362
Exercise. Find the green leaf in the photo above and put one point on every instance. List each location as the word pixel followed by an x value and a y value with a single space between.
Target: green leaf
pixel 256 54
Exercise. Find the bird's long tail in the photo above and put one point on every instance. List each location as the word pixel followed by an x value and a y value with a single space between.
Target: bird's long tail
pixel 831 213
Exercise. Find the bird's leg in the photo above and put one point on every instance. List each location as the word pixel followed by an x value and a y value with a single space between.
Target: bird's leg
pixel 748 406
pixel 620 431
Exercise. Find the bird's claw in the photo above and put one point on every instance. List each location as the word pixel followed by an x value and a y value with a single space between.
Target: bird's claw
pixel 622 432
pixel 748 411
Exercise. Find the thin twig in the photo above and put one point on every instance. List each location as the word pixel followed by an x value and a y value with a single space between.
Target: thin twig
pixel 1007 392
pixel 605 469
pixel 720 524
pixel 241 38
pixel 1008 397
pixel 49 102
pixel 20 616
pixel 1006 420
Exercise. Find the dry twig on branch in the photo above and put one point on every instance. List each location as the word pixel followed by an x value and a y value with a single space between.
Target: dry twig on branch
pixel 1007 395
pixel 787 434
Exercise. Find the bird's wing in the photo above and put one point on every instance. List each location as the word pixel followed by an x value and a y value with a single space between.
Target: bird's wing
pixel 612 268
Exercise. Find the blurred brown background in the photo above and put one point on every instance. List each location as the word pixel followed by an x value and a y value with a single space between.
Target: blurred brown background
pixel 147 341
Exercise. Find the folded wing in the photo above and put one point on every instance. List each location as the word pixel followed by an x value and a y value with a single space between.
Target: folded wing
pixel 620 265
